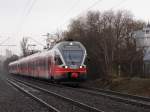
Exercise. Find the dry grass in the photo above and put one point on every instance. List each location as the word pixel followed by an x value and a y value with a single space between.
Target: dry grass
pixel 135 86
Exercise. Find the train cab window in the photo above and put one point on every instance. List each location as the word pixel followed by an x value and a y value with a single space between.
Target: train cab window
pixel 147 31
pixel 58 60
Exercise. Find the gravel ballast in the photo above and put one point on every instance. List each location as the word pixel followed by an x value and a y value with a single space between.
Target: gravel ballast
pixel 12 100
pixel 54 101
pixel 102 103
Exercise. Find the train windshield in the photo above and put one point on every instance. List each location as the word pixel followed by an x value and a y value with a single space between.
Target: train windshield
pixel 73 57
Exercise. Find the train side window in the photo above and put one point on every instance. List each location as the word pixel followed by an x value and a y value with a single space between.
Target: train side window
pixel 44 64
pixel 58 60
pixel 49 61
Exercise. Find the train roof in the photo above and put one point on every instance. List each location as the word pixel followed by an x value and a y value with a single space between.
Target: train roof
pixel 69 45
pixel 65 45
pixel 31 57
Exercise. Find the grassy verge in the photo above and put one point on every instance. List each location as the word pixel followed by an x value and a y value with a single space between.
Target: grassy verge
pixel 135 85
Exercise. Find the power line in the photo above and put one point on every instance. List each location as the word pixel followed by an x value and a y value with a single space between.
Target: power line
pixel 30 8
pixel 91 6
pixel 71 8
pixel 2 43
pixel 26 13
pixel 23 14
pixel 118 4
pixel 36 41
pixel 4 40
pixel 95 3
pixel 26 5
pixel 8 45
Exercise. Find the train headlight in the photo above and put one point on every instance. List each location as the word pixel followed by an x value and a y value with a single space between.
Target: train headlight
pixel 71 43
pixel 66 66
pixel 81 66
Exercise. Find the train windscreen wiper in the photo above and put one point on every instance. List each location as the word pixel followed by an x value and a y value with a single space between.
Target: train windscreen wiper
pixel 72 62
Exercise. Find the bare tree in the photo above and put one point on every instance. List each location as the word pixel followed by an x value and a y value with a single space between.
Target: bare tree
pixel 107 39
pixel 23 44
pixel 7 61
pixel 59 36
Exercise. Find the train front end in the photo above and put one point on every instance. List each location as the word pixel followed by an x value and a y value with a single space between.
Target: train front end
pixel 70 62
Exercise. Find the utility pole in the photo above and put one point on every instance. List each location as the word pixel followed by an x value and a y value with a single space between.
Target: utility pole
pixel 31 49
pixel 50 40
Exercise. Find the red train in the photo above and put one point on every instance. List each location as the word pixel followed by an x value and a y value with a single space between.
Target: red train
pixel 65 62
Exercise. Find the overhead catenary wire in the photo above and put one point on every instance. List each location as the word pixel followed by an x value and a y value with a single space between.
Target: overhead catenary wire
pixel 118 4
pixel 95 3
pixel 26 12
pixel 8 45
pixel 85 10
pixel 23 14
pixel 30 8
pixel 20 22
pixel 39 43
pixel 71 8
pixel 4 41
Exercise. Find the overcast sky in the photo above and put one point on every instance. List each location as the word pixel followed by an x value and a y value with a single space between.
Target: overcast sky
pixel 34 18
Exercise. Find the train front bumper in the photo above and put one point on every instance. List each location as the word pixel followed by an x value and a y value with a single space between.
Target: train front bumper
pixel 68 74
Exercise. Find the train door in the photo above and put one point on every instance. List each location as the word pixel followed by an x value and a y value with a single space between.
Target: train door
pixel 50 72
pixel 39 66
pixel 36 68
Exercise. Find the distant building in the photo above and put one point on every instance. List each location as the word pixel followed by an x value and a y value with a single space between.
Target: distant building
pixel 2 59
pixel 8 53
pixel 142 38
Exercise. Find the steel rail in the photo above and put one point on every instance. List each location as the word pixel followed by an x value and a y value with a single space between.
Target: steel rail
pixel 125 98
pixel 136 97
pixel 51 108
pixel 121 97
pixel 129 99
pixel 77 103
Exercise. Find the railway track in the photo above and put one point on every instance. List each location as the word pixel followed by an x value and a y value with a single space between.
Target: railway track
pixel 127 98
pixel 121 97
pixel 51 108
pixel 81 105
pixel 90 93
